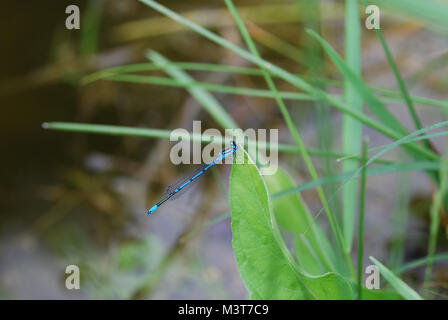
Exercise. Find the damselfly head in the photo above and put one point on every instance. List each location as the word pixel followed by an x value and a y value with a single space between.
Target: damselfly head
pixel 234 146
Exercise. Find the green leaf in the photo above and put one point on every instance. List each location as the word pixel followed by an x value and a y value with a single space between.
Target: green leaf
pixel 314 252
pixel 261 262
pixel 402 288
pixel 264 262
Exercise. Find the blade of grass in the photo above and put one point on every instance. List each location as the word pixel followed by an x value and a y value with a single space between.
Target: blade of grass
pixel 314 61
pixel 422 100
pixel 402 288
pixel 421 262
pixel 355 80
pixel 159 133
pixel 374 103
pixel 383 149
pixel 435 215
pixel 351 128
pixel 90 28
pixel 374 171
pixel 419 138
pixel 400 82
pixel 265 14
pixel 395 144
pixel 251 92
pixel 187 66
pixel 165 134
pixel 388 95
pixel 207 101
pixel 276 44
pixel 398 77
pixel 208 86
pixel 228 45
pixel 362 194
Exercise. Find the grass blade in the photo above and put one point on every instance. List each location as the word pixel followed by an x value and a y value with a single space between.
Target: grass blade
pixel 400 82
pixel 436 209
pixel 351 128
pixel 276 44
pixel 431 11
pixel 361 220
pixel 402 288
pixel 387 95
pixel 373 171
pixel 165 134
pixel 383 151
pixel 206 100
pixel 162 81
pixel 374 103
pixel 421 262
pixel 89 32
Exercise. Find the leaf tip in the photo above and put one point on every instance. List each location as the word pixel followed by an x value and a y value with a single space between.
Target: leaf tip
pixel 310 32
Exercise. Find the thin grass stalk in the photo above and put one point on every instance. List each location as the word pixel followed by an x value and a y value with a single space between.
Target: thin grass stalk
pixel 362 195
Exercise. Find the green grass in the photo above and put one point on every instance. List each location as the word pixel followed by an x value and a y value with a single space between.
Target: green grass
pixel 351 129
pixel 435 213
pixel 433 12
pixel 122 73
pixel 362 196
pixel 402 288
pixel 207 101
